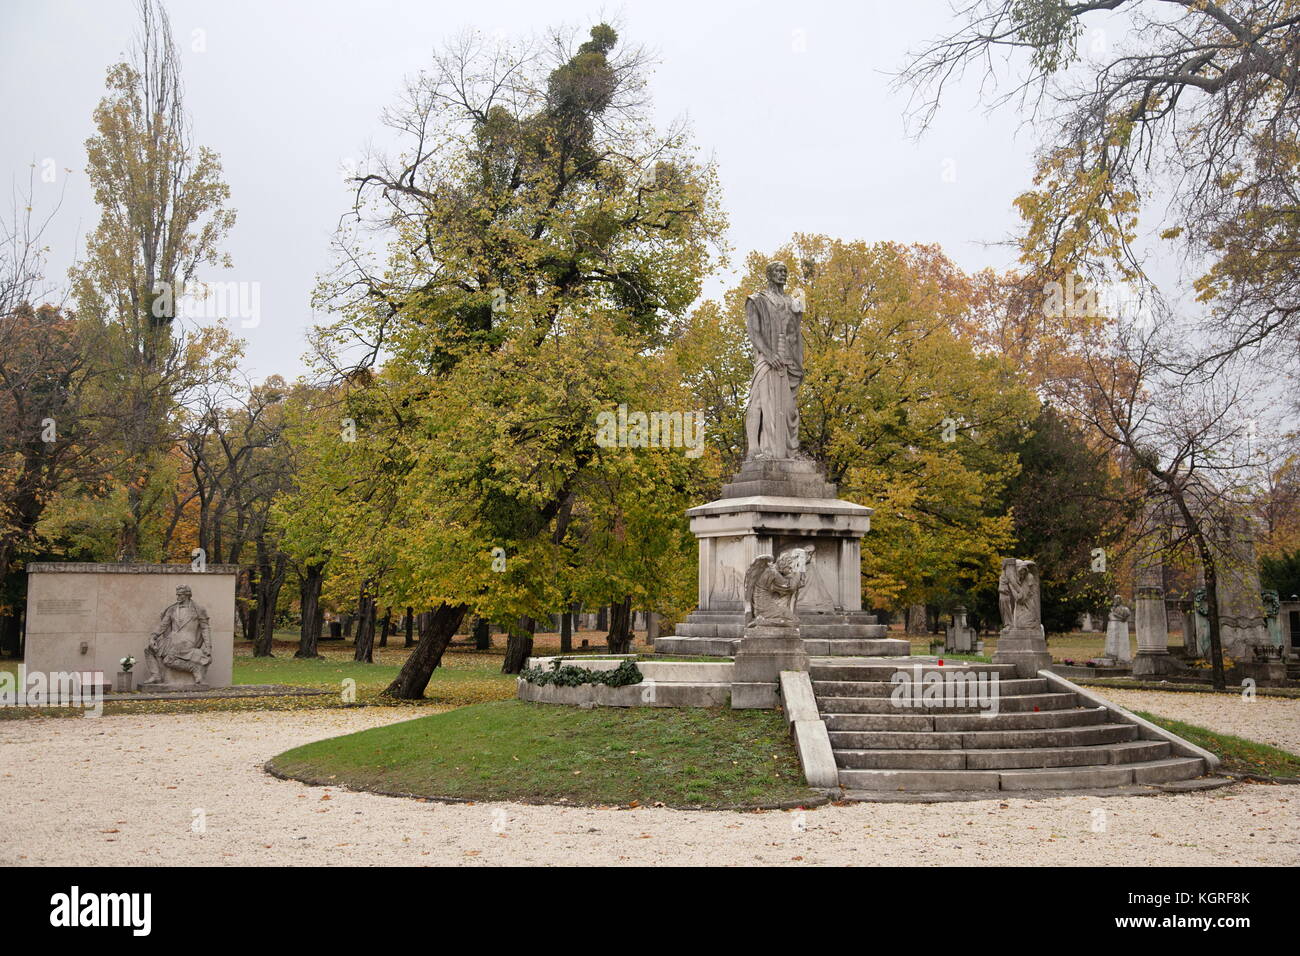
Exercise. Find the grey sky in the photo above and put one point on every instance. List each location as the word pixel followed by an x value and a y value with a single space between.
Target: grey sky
pixel 287 92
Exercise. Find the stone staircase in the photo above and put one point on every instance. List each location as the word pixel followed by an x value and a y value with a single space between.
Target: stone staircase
pixel 1040 738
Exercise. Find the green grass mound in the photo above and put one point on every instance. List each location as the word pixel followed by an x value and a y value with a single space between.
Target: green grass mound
pixel 1239 756
pixel 513 750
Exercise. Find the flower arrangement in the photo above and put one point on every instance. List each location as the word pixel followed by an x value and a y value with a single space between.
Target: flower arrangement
pixel 127 663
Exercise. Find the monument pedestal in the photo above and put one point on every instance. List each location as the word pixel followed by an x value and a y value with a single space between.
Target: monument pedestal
pixel 1026 647
pixel 168 687
pixel 732 532
pixel 764 653
pixel 1155 663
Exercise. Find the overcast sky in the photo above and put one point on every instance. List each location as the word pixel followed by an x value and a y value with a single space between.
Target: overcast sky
pixel 792 99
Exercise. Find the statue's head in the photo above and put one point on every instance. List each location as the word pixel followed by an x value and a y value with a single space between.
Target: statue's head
pixel 777 272
pixel 183 592
pixel 793 559
pixel 1119 599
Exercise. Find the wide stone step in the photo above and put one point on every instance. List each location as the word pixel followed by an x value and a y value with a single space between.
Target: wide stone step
pixel 983 739
pixel 1130 752
pixel 885 670
pixel 1006 705
pixel 1149 772
pixel 903 720
pixel 840 689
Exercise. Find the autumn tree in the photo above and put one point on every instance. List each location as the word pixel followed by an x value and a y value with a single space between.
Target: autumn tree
pixel 1190 102
pixel 541 237
pixel 1070 508
pixel 162 217
pixel 1187 439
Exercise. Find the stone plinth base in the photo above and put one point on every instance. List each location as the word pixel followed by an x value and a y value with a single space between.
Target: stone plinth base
pixel 1156 664
pixel 167 687
pixel 813 625
pixel 782 477
pixel 1026 647
pixel 836 647
pixel 764 653
pixel 1263 673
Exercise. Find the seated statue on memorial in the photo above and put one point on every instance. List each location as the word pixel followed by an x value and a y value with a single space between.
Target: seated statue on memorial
pixel 1018 595
pixel 182 640
pixel 772 587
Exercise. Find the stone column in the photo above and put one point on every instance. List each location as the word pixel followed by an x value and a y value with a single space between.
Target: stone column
pixel 1150 621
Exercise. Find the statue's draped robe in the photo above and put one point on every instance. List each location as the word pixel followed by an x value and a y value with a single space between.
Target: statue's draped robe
pixel 182 639
pixel 773 413
pixel 1024 590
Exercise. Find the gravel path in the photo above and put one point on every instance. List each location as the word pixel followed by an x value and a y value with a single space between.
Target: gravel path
pixel 1268 720
pixel 124 790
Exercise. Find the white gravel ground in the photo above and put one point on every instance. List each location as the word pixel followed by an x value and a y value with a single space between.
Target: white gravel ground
pixel 127 790
pixel 1268 720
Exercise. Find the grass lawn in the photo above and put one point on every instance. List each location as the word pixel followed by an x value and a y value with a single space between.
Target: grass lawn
pixel 1238 755
pixel 513 750
pixel 465 677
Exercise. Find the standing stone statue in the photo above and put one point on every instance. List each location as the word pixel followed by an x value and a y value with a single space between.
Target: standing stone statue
pixel 1117 644
pixel 1018 595
pixel 1021 641
pixel 182 640
pixel 1006 604
pixel 772 418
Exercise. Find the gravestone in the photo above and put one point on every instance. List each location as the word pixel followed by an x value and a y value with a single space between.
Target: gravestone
pixel 960 635
pixel 1241 607
pixel 1021 641
pixel 87 617
pixel 1118 650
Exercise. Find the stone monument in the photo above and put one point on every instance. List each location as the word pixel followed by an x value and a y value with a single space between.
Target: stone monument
pixel 1118 649
pixel 1151 621
pixel 1022 640
pixel 1242 627
pixel 778 501
pixel 771 642
pixel 960 636
pixel 87 617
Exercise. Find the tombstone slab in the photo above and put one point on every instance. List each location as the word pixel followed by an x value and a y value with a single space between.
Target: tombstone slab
pixel 87 617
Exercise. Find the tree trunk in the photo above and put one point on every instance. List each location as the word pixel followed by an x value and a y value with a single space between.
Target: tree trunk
pixel 11 634
pixel 269 583
pixel 386 627
pixel 566 631
pixel 246 604
pixel 519 646
pixel 619 638
pixel 436 631
pixel 345 626
pixel 364 650
pixel 309 630
pixel 482 634
pixel 408 624
pixel 1218 679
